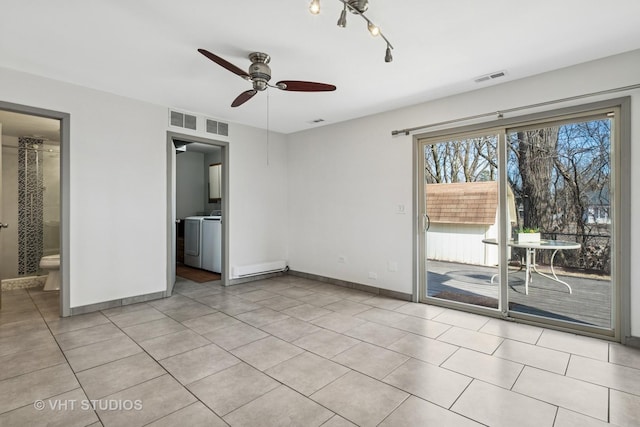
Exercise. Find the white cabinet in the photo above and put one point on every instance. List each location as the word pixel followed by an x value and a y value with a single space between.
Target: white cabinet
pixel 215 182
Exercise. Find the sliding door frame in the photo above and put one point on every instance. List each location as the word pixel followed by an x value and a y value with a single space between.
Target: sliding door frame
pixel 620 195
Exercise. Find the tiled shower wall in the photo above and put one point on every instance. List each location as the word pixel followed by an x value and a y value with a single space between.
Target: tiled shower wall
pixel 30 205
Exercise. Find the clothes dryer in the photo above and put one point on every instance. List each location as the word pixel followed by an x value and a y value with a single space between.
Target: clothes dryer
pixel 203 242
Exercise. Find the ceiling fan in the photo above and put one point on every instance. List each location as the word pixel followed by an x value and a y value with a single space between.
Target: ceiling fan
pixel 260 73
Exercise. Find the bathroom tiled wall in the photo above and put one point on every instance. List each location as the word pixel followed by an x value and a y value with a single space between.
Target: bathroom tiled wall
pixel 30 205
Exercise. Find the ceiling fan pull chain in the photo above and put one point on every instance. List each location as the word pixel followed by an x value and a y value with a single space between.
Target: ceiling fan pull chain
pixel 268 131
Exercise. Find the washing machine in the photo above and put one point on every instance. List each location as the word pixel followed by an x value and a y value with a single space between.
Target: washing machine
pixel 203 242
pixel 211 237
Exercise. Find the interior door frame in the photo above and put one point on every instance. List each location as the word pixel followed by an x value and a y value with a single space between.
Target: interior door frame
pixel 65 184
pixel 171 205
pixel 621 202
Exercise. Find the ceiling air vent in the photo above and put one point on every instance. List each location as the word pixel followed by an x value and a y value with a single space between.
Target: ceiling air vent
pixel 490 76
pixel 217 128
pixel 182 120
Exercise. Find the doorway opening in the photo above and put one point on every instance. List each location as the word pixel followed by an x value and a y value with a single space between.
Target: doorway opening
pixel 198 206
pixel 34 205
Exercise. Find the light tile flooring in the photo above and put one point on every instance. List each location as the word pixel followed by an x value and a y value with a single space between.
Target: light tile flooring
pixel 294 352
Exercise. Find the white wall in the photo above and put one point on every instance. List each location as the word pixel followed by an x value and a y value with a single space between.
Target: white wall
pixel 345 184
pixel 118 187
pixel 258 176
pixel 346 180
pixel 9 209
pixel 190 184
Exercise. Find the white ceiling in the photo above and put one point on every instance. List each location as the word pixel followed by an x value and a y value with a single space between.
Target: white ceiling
pixel 146 49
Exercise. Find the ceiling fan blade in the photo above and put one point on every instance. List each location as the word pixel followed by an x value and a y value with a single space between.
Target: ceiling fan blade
pixel 243 97
pixel 301 86
pixel 224 63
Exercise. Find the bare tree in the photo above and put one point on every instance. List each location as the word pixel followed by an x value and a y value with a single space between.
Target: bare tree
pixel 465 160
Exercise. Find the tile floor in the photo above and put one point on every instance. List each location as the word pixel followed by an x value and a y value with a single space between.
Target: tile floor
pixel 295 352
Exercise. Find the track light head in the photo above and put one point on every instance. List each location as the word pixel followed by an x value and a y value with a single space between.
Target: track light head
pixel 314 7
pixel 342 22
pixel 388 57
pixel 373 29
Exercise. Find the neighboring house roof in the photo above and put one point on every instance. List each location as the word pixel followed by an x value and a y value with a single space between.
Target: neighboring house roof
pixel 465 202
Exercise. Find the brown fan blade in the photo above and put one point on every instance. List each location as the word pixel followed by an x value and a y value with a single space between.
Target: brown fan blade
pixel 243 97
pixel 301 86
pixel 224 63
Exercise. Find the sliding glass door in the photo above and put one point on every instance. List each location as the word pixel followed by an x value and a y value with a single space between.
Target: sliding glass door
pixel 520 221
pixel 561 175
pixel 460 219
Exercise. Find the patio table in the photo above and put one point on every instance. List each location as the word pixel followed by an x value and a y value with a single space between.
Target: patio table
pixel 530 260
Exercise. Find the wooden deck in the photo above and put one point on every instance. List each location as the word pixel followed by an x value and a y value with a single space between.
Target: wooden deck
pixel 590 302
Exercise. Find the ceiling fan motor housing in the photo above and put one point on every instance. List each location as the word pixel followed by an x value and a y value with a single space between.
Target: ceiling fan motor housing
pixel 259 71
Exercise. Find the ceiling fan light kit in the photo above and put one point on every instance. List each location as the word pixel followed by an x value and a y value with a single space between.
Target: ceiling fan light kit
pixel 357 7
pixel 259 75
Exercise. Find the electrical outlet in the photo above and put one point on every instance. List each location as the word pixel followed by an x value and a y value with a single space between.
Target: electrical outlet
pixel 392 266
pixel 400 209
pixel 373 275
pixel 342 259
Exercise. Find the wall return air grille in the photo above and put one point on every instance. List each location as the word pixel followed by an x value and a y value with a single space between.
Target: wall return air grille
pixel 200 124
pixel 183 120
pixel 217 128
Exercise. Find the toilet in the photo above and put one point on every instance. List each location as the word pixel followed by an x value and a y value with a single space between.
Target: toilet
pixel 51 263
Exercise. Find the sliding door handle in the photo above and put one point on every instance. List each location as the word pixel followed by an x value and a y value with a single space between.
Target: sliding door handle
pixel 426 222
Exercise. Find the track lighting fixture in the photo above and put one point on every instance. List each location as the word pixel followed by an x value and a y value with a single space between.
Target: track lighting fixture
pixel 357 7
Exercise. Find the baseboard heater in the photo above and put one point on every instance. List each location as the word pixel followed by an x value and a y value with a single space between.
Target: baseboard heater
pixel 262 268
